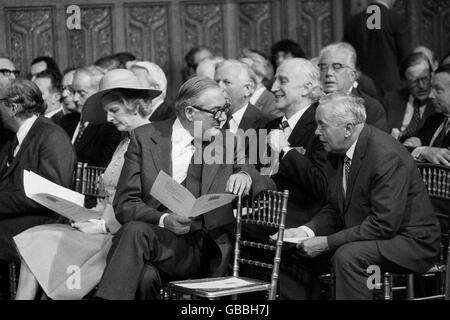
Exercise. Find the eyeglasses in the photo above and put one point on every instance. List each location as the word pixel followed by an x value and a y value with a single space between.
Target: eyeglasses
pixel 424 80
pixel 216 112
pixel 336 66
pixel 7 72
pixel 4 101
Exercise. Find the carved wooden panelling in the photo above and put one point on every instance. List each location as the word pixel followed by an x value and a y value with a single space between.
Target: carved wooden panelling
pixel 203 25
pixel 94 40
pixel 316 29
pixel 147 35
pixel 30 33
pixel 255 26
pixel 436 25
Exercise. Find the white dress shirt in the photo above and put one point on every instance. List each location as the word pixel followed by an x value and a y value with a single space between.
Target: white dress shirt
pixel 23 131
pixel 349 154
pixel 236 119
pixel 182 152
pixel 77 130
pixel 52 113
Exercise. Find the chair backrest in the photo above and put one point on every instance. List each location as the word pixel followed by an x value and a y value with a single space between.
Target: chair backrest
pixel 88 180
pixel 267 209
pixel 437 181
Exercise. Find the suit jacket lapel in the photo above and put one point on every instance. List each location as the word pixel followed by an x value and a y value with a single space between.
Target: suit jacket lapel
pixel 90 132
pixel 161 146
pixel 23 146
pixel 302 126
pixel 209 171
pixel 248 118
pixel 360 151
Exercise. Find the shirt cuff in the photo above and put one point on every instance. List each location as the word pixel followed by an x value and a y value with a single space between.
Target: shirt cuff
pixel 161 220
pixel 308 231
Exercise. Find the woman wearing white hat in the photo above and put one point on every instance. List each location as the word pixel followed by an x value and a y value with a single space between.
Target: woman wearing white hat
pixel 68 261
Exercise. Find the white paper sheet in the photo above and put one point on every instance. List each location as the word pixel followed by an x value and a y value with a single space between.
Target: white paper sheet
pixel 63 201
pixel 180 201
pixel 228 283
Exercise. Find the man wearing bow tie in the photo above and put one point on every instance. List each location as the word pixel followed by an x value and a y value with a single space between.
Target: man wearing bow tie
pixel 302 156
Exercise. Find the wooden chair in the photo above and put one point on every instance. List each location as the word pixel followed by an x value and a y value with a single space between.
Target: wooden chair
pixel 267 209
pixel 86 180
pixel 437 182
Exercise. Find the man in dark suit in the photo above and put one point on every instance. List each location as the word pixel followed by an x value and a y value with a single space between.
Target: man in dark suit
pixel 51 93
pixel 239 81
pixel 7 74
pixel 433 139
pixel 302 156
pixel 381 50
pixel 94 143
pixel 378 212
pixel 152 76
pixel 38 145
pixel 337 64
pixel 408 108
pixel 171 244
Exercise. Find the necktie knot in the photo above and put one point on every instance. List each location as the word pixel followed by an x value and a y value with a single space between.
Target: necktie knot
pixel 284 124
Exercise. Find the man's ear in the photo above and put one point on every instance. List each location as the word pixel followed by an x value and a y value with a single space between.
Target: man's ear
pixel 189 113
pixel 349 128
pixel 306 89
pixel 249 88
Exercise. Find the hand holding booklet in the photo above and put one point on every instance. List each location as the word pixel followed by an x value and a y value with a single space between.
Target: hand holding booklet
pixel 179 200
pixel 66 202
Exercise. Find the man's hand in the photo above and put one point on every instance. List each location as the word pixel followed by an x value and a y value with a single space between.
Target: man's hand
pixel 436 155
pixel 413 142
pixel 177 224
pixel 312 247
pixel 295 233
pixel 239 183
pixel 277 140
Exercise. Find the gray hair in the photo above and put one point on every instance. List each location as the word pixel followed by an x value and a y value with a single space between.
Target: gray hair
pixel 154 73
pixel 242 66
pixel 259 64
pixel 345 107
pixel 190 91
pixel 312 75
pixel 94 73
pixel 344 46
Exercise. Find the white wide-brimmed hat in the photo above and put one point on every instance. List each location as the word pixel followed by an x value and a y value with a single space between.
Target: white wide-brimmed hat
pixel 121 80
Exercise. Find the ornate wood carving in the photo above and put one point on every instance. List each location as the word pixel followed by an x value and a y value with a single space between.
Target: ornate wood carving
pixel 203 25
pixel 31 34
pixel 436 25
pixel 147 35
pixel 94 40
pixel 255 26
pixel 316 29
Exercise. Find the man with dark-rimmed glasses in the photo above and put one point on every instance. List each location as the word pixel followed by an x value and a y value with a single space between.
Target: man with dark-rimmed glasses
pixel 156 245
pixel 337 65
pixel 8 73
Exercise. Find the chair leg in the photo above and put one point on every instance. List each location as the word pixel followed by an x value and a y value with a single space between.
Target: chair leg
pixel 12 280
pixel 387 286
pixel 410 286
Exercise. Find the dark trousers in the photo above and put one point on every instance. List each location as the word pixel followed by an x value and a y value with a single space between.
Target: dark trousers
pixel 143 255
pixel 11 227
pixel 299 279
